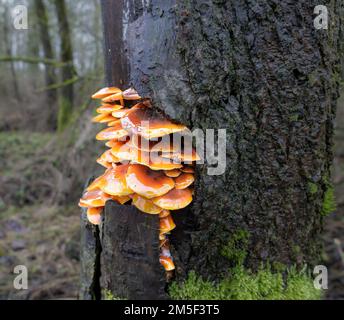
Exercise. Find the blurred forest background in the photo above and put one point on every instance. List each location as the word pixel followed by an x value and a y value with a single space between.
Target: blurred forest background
pixel 48 150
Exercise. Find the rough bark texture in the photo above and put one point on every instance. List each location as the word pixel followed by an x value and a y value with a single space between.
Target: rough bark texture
pixel 130 254
pixel 260 70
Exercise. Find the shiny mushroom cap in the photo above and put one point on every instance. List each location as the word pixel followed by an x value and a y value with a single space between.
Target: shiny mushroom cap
pixel 162 144
pixel 167 263
pixel 148 183
pixel 117 114
pixel 184 180
pixel 94 198
pixel 173 173
pixel 115 132
pixel 166 224
pixel 184 155
pixel 103 118
pixel 174 200
pixel 187 169
pixel 145 205
pixel 148 124
pixel 94 215
pixel 108 108
pixel 129 94
pixel 114 181
pixel 105 92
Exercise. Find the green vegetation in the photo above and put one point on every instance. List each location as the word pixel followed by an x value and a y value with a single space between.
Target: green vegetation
pixel 242 284
pixel 108 295
pixel 18 146
pixel 312 188
pixel 236 248
pixel 329 202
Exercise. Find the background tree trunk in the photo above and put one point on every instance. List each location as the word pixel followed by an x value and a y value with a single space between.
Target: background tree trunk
pixel 50 76
pixel 260 70
pixel 68 72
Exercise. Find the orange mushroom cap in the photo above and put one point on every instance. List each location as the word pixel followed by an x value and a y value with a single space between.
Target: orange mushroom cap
pixel 115 132
pixel 95 184
pixel 148 183
pixel 105 92
pixel 108 157
pixel 167 263
pixel 121 199
pixel 173 173
pixel 104 117
pixel 164 213
pixel 131 94
pixel 108 108
pixel 184 155
pixel 153 160
pixel 94 198
pixel 148 124
pixel 167 224
pixel 162 144
pixel 174 200
pixel 117 114
pixel 114 181
pixel 187 169
pixel 94 215
pixel 184 180
pixel 145 205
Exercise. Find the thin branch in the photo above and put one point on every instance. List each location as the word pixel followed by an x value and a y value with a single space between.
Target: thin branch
pixel 34 60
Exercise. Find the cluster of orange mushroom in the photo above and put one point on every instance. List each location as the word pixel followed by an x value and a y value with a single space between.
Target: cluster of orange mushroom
pixel 149 163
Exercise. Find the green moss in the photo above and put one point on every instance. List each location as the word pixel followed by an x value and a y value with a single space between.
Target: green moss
pixel 236 248
pixel 294 118
pixel 242 284
pixel 329 202
pixel 108 295
pixel 312 188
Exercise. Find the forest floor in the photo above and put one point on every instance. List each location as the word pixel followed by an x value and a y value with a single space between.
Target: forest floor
pixel 46 238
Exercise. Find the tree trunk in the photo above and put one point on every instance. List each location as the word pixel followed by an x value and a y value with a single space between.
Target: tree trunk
pixel 260 70
pixel 66 98
pixel 8 49
pixel 50 76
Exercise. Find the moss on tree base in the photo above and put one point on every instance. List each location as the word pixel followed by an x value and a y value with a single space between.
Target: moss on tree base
pixel 242 284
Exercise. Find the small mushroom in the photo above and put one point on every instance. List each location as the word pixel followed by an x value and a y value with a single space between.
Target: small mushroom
pixel 103 118
pixel 105 92
pixel 174 200
pixel 115 132
pixel 129 94
pixel 148 183
pixel 94 215
pixel 167 263
pixel 107 158
pixel 164 213
pixel 166 224
pixel 121 199
pixel 162 144
pixel 187 169
pixel 185 156
pixel 184 180
pixel 145 205
pixel 173 173
pixel 94 198
pixel 108 108
pixel 120 113
pixel 114 181
pixel 148 124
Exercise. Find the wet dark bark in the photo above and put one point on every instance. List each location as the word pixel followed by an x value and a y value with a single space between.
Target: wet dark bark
pixel 50 76
pixel 260 70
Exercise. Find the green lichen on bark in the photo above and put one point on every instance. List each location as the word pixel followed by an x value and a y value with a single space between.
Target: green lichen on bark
pixel 242 284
